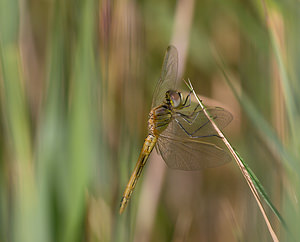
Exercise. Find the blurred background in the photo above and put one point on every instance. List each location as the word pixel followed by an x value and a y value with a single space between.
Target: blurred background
pixel 76 82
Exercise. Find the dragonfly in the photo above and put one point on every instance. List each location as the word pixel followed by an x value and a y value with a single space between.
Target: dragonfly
pixel 179 129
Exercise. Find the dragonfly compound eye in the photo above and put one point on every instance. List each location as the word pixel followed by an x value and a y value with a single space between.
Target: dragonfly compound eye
pixel 176 99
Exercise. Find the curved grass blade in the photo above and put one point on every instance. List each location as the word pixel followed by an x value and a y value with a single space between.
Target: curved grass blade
pixel 240 164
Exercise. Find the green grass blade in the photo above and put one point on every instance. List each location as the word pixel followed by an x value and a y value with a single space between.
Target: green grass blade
pixel 286 83
pixel 262 191
pixel 51 140
pixel 17 128
pixel 81 134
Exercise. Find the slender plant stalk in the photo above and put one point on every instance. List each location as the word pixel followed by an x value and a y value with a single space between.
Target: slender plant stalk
pixel 238 161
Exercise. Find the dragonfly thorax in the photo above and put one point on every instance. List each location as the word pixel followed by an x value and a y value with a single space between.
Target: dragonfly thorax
pixel 159 118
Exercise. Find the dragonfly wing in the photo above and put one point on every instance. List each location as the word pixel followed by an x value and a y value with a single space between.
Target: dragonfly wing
pixel 182 152
pixel 168 76
pixel 196 124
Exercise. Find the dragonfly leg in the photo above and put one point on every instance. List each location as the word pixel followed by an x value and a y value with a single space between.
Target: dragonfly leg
pixel 192 134
pixel 187 117
pixel 188 97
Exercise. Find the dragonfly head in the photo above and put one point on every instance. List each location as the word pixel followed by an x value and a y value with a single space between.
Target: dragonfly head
pixel 175 99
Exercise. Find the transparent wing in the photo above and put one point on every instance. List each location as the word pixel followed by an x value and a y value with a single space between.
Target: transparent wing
pixel 168 76
pixel 183 152
pixel 196 124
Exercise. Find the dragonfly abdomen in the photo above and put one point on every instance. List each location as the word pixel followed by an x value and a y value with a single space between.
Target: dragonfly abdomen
pixel 149 143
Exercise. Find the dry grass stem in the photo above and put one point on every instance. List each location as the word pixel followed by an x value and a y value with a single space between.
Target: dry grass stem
pixel 239 163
